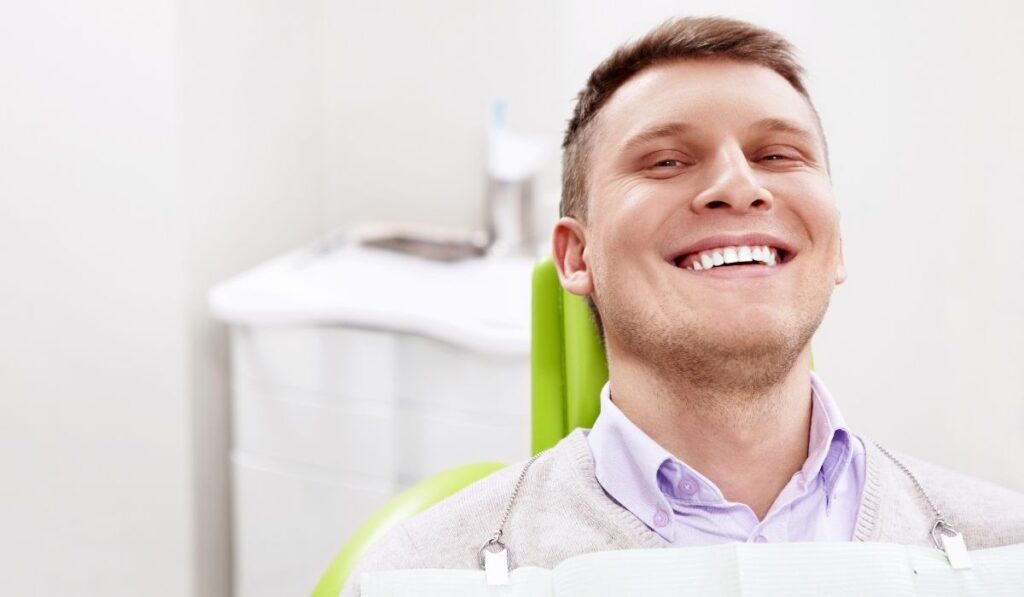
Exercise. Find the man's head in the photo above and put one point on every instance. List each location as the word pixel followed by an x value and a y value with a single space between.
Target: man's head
pixel 697 139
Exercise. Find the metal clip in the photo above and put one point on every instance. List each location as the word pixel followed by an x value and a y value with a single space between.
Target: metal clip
pixel 944 537
pixel 494 562
pixel 951 542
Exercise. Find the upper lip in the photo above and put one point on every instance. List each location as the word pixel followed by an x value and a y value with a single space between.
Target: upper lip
pixel 733 240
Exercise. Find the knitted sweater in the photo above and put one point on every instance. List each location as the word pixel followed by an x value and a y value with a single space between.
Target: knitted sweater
pixel 562 511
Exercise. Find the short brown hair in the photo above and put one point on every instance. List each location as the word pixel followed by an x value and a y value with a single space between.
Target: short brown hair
pixel 675 39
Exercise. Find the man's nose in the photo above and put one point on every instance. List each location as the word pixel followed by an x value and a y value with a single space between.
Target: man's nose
pixel 732 185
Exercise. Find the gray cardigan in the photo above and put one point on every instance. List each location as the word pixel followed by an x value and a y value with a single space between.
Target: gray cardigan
pixel 562 511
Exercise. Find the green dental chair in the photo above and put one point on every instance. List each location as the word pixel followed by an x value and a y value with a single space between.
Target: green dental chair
pixel 568 369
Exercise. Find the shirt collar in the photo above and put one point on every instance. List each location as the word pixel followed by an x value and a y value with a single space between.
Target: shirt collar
pixel 640 474
pixel 828 447
pixel 626 464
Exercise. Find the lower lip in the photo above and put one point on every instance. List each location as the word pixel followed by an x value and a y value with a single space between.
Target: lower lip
pixel 737 271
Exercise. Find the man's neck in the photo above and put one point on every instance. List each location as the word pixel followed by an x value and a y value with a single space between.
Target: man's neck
pixel 749 443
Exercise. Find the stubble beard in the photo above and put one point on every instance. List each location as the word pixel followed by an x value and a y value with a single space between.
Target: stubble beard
pixel 731 371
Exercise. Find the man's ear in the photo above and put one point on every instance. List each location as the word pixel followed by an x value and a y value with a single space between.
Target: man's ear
pixel 841 266
pixel 568 247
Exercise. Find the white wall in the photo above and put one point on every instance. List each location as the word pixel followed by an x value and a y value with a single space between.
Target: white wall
pixel 925 340
pixel 411 87
pixel 93 352
pixel 148 151
pixel 252 123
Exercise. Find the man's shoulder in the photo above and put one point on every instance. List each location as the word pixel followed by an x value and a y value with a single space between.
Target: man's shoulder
pixel 450 533
pixel 991 512
pixel 987 514
pixel 436 537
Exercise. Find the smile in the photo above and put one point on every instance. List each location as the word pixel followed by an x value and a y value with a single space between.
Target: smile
pixel 751 255
pixel 758 255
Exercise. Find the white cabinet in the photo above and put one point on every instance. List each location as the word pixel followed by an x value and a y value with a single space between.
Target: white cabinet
pixel 332 415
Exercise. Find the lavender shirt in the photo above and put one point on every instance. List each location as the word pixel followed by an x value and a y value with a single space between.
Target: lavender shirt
pixel 819 503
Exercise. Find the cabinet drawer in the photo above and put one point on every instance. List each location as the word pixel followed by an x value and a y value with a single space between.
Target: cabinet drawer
pixel 433 441
pixel 333 360
pixel 352 435
pixel 439 375
pixel 289 523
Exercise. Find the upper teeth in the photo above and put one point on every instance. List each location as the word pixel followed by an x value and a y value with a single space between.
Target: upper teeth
pixel 742 254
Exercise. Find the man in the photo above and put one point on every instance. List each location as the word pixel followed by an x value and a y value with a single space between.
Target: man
pixel 700 223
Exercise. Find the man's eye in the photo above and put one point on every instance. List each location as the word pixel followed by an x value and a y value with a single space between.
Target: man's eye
pixel 779 157
pixel 665 164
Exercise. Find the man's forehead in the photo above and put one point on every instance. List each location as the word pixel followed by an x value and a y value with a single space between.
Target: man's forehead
pixel 677 92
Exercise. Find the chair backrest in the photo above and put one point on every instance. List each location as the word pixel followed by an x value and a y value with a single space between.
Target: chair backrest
pixel 568 360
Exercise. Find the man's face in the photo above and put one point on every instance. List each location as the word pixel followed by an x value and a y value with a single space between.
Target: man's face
pixel 694 162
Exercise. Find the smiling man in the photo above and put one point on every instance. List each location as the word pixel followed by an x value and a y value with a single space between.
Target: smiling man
pixel 699 222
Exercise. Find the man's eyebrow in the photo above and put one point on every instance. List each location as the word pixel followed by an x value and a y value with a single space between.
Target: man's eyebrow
pixel 660 131
pixel 677 129
pixel 779 125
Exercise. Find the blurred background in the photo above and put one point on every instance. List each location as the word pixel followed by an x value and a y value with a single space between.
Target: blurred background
pixel 204 386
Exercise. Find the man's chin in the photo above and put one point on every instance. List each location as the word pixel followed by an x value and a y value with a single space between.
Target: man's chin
pixel 735 355
pixel 746 350
pixel 750 363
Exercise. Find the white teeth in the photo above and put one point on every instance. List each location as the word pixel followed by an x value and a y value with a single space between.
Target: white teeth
pixel 711 258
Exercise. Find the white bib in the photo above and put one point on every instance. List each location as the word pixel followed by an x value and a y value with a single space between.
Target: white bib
pixel 851 569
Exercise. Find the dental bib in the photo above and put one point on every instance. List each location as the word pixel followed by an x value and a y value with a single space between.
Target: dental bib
pixel 736 570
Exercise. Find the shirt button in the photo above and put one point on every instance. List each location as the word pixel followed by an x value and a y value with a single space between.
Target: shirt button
pixel 660 518
pixel 760 539
pixel 687 487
